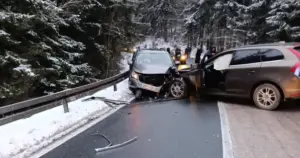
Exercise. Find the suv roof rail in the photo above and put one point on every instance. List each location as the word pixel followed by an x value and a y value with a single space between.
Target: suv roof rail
pixel 281 43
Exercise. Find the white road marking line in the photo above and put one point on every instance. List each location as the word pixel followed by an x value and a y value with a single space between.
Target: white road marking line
pixel 72 134
pixel 228 151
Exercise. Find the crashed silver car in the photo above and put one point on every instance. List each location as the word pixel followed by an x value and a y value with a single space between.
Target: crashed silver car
pixel 154 72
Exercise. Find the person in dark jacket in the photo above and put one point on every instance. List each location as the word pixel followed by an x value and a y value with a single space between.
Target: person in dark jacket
pixel 189 51
pixel 213 51
pixel 198 55
pixel 169 50
pixel 186 50
pixel 177 51
pixel 209 54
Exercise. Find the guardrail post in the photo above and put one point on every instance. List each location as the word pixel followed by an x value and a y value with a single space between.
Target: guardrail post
pixel 115 87
pixel 65 105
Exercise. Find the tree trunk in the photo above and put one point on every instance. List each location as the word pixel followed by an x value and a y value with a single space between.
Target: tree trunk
pixel 165 32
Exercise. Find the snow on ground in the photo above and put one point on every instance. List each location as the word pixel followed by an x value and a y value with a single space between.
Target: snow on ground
pixel 124 61
pixel 26 136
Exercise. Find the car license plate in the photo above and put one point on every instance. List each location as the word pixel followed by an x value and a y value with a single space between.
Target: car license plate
pixel 149 87
pixel 177 62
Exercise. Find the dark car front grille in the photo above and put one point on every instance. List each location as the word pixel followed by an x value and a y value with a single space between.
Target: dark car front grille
pixel 155 80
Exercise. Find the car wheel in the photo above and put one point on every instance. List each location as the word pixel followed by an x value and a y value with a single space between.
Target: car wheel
pixel 267 97
pixel 178 89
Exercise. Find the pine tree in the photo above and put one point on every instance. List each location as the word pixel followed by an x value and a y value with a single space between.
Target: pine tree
pixel 158 13
pixel 283 20
pixel 257 20
pixel 47 46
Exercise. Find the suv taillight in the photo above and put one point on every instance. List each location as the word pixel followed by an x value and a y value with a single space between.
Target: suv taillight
pixel 294 51
pixel 296 68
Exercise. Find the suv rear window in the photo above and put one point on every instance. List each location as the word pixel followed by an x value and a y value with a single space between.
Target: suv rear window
pixel 245 57
pixel 271 55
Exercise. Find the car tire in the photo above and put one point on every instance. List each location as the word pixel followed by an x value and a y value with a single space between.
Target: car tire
pixel 178 89
pixel 267 97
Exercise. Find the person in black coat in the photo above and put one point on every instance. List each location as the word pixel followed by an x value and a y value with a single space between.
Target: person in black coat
pixel 189 50
pixel 169 50
pixel 177 51
pixel 186 51
pixel 209 54
pixel 198 55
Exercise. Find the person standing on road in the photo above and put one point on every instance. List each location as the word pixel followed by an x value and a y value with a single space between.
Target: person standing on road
pixel 198 55
pixel 169 50
pixel 209 54
pixel 189 51
pixel 213 51
pixel 177 51
pixel 186 50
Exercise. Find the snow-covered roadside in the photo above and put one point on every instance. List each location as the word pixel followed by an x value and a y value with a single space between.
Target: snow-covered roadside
pixel 124 61
pixel 24 137
pixel 160 43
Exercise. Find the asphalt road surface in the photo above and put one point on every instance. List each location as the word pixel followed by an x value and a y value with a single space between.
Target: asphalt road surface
pixel 173 129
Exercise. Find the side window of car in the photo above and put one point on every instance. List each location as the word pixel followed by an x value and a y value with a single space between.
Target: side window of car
pixel 221 62
pixel 271 55
pixel 245 57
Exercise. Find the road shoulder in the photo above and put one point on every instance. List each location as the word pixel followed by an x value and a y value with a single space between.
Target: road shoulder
pixel 259 133
pixel 226 135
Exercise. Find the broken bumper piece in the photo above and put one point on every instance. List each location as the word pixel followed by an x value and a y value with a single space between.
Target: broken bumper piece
pixel 136 84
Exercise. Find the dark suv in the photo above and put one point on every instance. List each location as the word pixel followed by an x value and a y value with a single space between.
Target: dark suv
pixel 267 73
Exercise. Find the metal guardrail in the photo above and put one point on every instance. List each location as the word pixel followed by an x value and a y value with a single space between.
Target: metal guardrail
pixel 27 108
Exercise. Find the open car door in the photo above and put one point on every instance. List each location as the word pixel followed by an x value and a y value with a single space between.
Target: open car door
pixel 212 74
pixel 193 73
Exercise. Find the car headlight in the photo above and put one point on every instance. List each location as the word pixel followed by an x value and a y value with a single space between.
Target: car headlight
pixel 135 75
pixel 183 58
pixel 173 58
pixel 134 49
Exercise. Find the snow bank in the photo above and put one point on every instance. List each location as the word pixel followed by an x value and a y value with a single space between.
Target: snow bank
pixel 124 61
pixel 24 137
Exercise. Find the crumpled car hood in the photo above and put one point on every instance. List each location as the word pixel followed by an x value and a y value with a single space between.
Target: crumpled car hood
pixel 151 69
